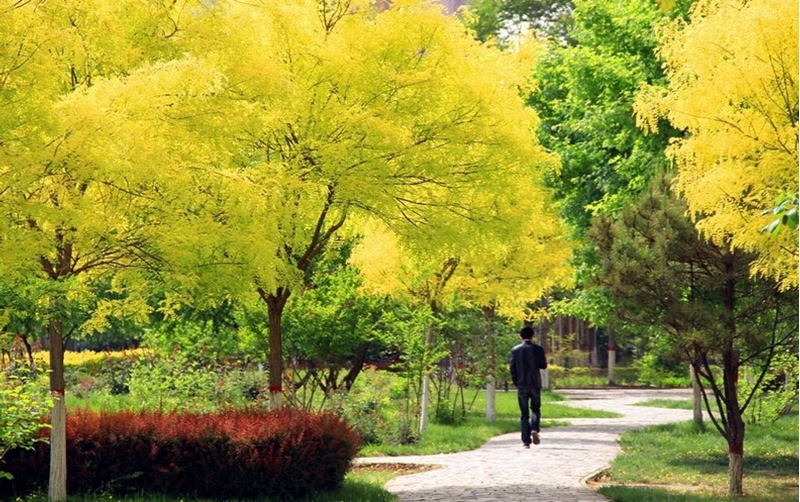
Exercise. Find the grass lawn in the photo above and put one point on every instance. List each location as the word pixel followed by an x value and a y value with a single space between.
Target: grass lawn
pixel 681 462
pixel 476 431
pixel 677 404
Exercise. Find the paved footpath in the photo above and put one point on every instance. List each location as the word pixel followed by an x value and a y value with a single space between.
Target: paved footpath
pixel 554 471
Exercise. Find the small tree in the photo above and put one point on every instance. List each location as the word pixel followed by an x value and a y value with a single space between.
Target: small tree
pixel 661 271
pixel 22 406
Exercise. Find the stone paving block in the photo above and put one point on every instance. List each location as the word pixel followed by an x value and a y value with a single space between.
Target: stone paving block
pixel 554 471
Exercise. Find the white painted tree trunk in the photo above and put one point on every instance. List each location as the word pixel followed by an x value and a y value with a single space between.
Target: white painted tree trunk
pixel 426 399
pixel 491 410
pixel 57 489
pixel 735 466
pixel 275 400
pixel 612 355
pixel 545 379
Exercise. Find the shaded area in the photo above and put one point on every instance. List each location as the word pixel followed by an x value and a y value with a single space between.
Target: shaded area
pixel 642 494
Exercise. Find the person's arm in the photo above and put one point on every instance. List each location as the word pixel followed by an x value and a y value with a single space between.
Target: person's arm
pixel 542 359
pixel 513 367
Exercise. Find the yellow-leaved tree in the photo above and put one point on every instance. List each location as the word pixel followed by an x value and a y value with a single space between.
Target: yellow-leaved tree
pixel 270 127
pixel 733 72
pixel 321 111
pixel 501 264
pixel 73 225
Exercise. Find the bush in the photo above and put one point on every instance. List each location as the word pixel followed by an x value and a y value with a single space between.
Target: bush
pixel 232 455
pixel 21 409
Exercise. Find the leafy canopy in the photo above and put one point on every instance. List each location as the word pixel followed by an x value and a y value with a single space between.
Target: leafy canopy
pixel 737 98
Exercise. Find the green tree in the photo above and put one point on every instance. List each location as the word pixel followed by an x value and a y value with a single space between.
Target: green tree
pixel 660 271
pixel 585 101
pixel 505 19
pixel 332 327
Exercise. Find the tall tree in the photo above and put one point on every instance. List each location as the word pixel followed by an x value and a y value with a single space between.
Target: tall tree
pixel 585 95
pixel 306 114
pixel 737 97
pixel 585 100
pixel 661 271
pixel 67 222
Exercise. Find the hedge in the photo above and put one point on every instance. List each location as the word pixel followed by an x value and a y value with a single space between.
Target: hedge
pixel 235 454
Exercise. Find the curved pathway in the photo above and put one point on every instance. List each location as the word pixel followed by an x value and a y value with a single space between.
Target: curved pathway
pixel 556 470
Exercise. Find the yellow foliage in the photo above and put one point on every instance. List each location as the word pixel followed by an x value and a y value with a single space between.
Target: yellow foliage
pixel 733 72
pixel 223 142
pixel 72 358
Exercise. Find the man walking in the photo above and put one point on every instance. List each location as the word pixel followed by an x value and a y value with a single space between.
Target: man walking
pixel 527 359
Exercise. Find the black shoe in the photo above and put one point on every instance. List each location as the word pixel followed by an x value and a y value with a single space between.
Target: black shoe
pixel 526 445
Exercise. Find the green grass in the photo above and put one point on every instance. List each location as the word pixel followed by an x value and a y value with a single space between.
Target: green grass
pixel 476 431
pixel 677 404
pixel 641 494
pixel 684 454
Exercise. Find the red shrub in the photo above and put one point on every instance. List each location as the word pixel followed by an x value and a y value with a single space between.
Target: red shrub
pixel 235 454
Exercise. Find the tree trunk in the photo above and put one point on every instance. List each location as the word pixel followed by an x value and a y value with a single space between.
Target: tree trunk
pixel 57 488
pixel 544 329
pixel 735 426
pixel 491 408
pixel 697 397
pixel 730 380
pixel 735 462
pixel 426 386
pixel 275 304
pixel 612 355
pixel 357 366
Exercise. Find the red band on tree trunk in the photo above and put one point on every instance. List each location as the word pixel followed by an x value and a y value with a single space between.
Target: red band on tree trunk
pixel 58 392
pixel 275 388
pixel 736 449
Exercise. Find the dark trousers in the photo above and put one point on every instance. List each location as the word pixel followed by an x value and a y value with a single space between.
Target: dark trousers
pixel 530 403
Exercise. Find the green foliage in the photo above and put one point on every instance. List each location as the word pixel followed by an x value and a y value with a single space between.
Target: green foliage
pixel 23 404
pixel 216 331
pixel 786 214
pixel 332 327
pixel 184 383
pixel 656 370
pixel 776 396
pixel 585 96
pixel 585 101
pixel 505 19
pixel 686 455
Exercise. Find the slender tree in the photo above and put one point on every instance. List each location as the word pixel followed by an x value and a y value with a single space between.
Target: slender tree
pixel 68 223
pixel 296 118
pixel 660 270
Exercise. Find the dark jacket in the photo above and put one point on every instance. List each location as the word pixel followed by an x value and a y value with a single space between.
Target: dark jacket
pixel 527 359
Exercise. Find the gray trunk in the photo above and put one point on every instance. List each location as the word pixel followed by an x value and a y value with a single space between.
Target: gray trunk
pixel 57 490
pixel 491 414
pixel 612 355
pixel 426 387
pixel 697 398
